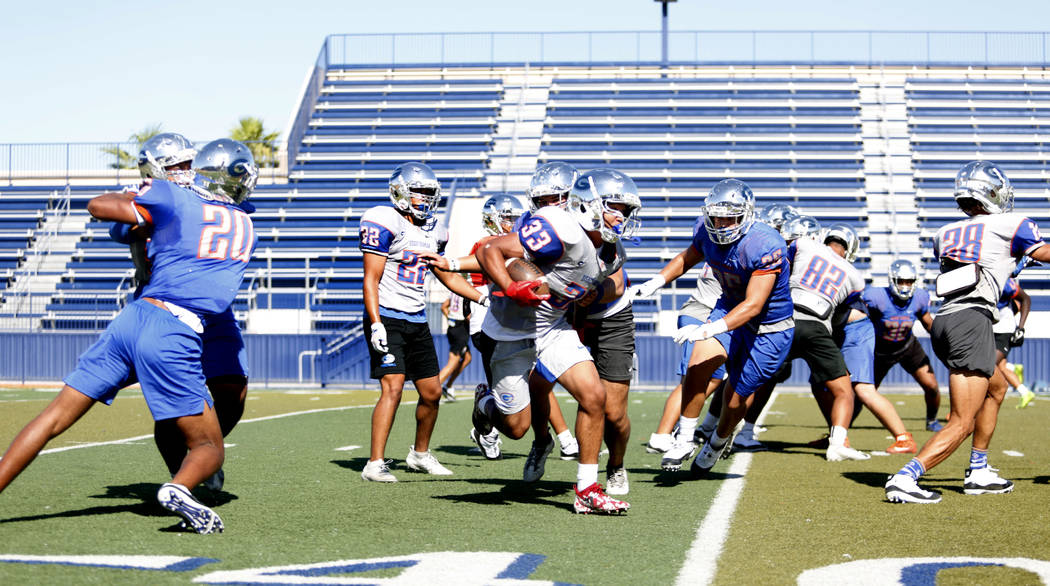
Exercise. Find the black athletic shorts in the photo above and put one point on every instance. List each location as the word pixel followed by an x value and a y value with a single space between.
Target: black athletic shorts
pixel 485 346
pixel 458 333
pixel 964 341
pixel 813 343
pixel 1002 343
pixel 611 342
pixel 410 350
pixel 911 358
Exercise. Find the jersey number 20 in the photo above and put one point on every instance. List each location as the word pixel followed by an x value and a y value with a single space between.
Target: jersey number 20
pixel 229 237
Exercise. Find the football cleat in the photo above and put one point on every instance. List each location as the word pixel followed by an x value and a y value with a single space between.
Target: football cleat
pixel 1026 398
pixel 488 444
pixel 844 452
pixel 616 481
pixel 706 459
pixel 679 452
pixel 659 443
pixel 215 481
pixel 378 471
pixel 425 462
pixel 934 425
pixel 901 488
pixel 536 462
pixel 448 394
pixel 985 481
pixel 178 500
pixel 478 417
pixel 570 450
pixel 905 444
pixel 594 500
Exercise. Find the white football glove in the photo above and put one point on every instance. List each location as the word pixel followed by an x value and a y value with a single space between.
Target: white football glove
pixel 646 289
pixel 378 338
pixel 484 301
pixel 695 333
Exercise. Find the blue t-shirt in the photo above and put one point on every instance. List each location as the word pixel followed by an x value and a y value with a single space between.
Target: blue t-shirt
pixel 894 321
pixel 199 248
pixel 760 251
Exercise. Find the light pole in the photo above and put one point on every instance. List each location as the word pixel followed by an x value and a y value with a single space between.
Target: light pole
pixel 663 28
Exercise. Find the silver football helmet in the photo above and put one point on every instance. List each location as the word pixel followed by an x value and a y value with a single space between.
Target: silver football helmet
pixel 500 212
pixel 414 189
pixel 226 168
pixel 162 151
pixel 800 227
pixel 904 278
pixel 845 235
pixel 555 178
pixel 985 182
pixel 777 215
pixel 609 186
pixel 729 198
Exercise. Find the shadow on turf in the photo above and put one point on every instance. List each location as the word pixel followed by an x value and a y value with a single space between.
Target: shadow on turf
pixel 144 492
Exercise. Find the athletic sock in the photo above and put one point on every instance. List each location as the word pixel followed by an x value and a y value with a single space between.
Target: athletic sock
pixel 837 437
pixel 717 441
pixel 748 430
pixel 709 424
pixel 586 475
pixel 487 404
pixel 1023 389
pixel 978 459
pixel 914 469
pixel 686 428
pixel 564 437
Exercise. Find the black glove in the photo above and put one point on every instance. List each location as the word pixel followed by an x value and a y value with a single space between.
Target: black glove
pixel 1018 338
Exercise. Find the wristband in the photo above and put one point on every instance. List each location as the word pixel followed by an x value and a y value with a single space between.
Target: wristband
pixel 453 264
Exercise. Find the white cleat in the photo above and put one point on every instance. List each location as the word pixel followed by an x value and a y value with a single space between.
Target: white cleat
pixel 659 443
pixel 679 452
pixel 840 453
pixel 616 481
pixel 570 450
pixel 425 462
pixel 378 471
pixel 986 481
pixel 488 444
pixel 536 462
pixel 178 500
pixel 903 489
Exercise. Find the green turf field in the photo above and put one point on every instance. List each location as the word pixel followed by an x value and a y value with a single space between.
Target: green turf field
pixel 294 497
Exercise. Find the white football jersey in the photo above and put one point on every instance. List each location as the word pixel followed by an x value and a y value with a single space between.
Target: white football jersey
pixel 704 296
pixel 994 242
pixel 384 231
pixel 821 281
pixel 571 267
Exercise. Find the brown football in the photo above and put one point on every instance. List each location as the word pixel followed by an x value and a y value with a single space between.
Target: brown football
pixel 523 270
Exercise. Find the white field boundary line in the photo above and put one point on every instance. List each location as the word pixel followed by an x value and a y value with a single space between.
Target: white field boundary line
pixel 701 561
pixel 129 440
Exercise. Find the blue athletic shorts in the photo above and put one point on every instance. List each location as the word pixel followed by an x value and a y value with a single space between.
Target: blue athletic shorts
pixel 150 342
pixel 858 350
pixel 753 358
pixel 687 349
pixel 223 351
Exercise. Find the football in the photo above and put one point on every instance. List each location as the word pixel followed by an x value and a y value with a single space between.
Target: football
pixel 523 270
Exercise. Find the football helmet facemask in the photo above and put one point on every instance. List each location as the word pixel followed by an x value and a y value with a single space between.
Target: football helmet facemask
pixel 618 197
pixel 904 278
pixel 414 189
pixel 729 198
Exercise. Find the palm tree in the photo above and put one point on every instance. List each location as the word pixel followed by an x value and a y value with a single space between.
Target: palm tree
pixel 125 160
pixel 251 132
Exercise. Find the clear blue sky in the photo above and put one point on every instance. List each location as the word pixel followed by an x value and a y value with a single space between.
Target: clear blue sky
pixel 98 71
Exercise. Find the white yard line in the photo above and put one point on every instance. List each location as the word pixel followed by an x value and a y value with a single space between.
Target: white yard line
pixel 701 561
pixel 243 421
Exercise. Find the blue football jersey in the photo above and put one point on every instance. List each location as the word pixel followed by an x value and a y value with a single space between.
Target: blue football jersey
pixel 760 251
pixel 894 322
pixel 199 248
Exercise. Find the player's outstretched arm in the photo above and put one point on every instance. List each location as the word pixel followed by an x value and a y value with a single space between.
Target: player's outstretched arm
pixel 463 264
pixel 493 256
pixel 61 413
pixel 459 286
pixel 115 207
pixel 675 268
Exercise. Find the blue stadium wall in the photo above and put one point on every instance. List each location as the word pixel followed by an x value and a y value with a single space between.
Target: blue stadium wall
pixel 275 359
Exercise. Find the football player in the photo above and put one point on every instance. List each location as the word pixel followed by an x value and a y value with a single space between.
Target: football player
pixel 977 255
pixel 202 242
pixel 751 327
pixel 855 335
pixel 577 248
pixel 400 344
pixel 169 156
pixel 894 310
